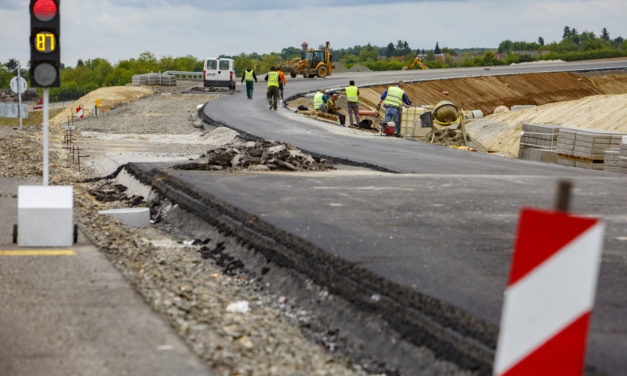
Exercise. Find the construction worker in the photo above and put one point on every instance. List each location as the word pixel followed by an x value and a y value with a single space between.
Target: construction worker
pixel 320 101
pixel 282 81
pixel 352 96
pixel 333 108
pixel 273 88
pixel 393 99
pixel 250 77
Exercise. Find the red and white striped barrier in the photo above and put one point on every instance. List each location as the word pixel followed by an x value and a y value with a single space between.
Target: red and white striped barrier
pixel 550 295
pixel 79 112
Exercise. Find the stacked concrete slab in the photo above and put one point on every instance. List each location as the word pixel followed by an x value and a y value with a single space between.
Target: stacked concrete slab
pixel 611 162
pixel 616 159
pixel 538 142
pixel 585 148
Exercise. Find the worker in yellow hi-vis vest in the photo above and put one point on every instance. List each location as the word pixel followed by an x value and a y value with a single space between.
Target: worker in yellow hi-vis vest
pixel 393 99
pixel 273 88
pixel 352 99
pixel 250 78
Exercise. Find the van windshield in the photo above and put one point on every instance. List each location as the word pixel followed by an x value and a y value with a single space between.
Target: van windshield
pixel 212 64
pixel 224 65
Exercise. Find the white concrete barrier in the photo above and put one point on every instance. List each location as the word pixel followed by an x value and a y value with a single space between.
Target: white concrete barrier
pixel 45 216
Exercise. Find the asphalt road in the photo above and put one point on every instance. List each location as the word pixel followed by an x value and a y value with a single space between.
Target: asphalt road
pixel 446 225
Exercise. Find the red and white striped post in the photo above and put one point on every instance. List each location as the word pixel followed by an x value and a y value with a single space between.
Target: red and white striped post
pixel 550 294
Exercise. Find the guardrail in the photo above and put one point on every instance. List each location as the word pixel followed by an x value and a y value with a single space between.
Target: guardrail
pixel 51 106
pixel 188 75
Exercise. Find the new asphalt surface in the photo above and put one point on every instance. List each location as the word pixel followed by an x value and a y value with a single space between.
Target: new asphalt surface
pixel 445 225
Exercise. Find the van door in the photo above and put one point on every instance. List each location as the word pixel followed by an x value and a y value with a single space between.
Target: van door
pixel 224 69
pixel 211 69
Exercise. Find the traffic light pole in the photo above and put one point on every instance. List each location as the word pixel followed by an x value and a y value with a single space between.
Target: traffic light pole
pixel 19 93
pixel 45 131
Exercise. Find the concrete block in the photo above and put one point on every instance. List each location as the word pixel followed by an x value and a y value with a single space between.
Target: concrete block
pixel 541 128
pixel 134 217
pixel 45 217
pixel 540 155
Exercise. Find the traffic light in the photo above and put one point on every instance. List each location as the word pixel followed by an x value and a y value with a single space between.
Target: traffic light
pixel 45 52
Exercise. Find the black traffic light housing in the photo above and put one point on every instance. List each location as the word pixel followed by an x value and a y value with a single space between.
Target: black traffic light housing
pixel 45 36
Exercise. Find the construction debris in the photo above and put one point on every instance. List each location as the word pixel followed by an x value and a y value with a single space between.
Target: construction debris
pixel 257 156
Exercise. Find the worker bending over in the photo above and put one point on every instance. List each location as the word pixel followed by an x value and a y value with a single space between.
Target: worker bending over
pixel 250 77
pixel 273 88
pixel 320 100
pixel 393 99
pixel 333 108
pixel 352 96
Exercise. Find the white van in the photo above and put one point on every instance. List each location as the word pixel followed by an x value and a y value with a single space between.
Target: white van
pixel 219 72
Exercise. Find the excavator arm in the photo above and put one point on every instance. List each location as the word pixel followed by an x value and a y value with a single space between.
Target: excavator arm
pixel 415 62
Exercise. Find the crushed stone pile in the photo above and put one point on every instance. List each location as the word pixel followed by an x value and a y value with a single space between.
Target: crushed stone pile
pixel 359 68
pixel 257 156
pixel 339 68
pixel 22 153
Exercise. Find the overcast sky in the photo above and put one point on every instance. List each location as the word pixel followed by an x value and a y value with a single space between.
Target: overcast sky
pixel 122 29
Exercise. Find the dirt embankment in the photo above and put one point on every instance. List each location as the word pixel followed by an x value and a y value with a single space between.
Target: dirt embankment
pixel 109 97
pixel 487 93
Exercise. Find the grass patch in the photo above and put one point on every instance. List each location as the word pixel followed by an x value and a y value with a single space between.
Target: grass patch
pixel 34 118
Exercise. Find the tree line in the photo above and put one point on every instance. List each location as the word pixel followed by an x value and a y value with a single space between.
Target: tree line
pixel 91 74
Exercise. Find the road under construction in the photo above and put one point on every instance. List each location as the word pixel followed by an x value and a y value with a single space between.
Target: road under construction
pixel 439 227
pixel 412 240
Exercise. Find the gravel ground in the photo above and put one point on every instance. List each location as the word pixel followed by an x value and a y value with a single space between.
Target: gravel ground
pixel 166 113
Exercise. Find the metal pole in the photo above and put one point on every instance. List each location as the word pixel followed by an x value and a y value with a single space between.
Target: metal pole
pixel 45 131
pixel 562 200
pixel 19 93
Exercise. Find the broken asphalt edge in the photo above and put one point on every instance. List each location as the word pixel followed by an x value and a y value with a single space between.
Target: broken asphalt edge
pixel 251 137
pixel 448 331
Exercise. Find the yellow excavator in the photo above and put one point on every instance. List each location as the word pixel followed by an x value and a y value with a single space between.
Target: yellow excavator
pixel 314 63
pixel 415 62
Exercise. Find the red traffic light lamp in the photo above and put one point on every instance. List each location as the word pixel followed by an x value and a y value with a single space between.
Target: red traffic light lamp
pixel 45 10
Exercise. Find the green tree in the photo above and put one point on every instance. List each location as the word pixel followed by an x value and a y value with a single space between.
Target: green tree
pixel 12 64
pixel 5 76
pixel 437 48
pixel 389 50
pixel 368 54
pixel 505 46
pixel 119 77
pixel 290 53
pixel 541 41
pixel 567 33
pixel 605 35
